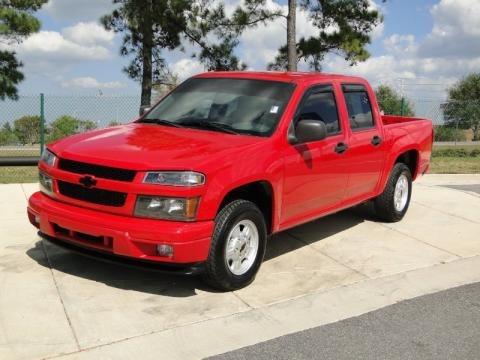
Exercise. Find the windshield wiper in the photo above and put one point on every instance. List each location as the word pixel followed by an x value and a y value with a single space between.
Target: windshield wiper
pixel 211 125
pixel 160 122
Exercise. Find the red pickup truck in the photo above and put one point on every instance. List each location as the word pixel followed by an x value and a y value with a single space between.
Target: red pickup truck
pixel 226 159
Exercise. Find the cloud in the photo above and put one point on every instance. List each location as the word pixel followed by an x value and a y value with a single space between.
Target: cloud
pixel 450 51
pixel 88 33
pixel 54 46
pixel 186 67
pixel 75 10
pixel 48 53
pixel 455 33
pixel 91 83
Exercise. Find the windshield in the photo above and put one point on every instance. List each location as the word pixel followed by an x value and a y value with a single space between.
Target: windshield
pixel 237 106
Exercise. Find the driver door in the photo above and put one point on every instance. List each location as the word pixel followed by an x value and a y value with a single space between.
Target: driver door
pixel 315 177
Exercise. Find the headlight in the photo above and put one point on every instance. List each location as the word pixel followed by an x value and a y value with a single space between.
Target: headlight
pixel 175 178
pixel 168 208
pixel 48 158
pixel 46 183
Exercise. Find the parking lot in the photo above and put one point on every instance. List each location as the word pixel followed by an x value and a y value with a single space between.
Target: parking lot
pixel 56 304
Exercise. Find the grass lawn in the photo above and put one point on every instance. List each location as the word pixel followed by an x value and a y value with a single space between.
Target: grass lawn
pixel 18 174
pixel 12 152
pixel 455 165
pixel 466 147
pixel 451 164
pixel 439 165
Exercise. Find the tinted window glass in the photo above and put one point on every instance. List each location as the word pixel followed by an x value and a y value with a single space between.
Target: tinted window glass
pixel 359 110
pixel 246 106
pixel 321 106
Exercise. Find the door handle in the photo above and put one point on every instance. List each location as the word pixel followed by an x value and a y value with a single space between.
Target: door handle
pixel 340 148
pixel 376 140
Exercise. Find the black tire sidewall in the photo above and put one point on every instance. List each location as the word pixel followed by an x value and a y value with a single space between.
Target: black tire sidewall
pixel 220 275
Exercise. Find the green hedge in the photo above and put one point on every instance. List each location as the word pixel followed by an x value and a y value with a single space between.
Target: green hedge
pixel 458 153
pixel 444 133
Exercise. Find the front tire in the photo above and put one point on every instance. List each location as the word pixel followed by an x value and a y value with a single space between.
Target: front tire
pixel 238 246
pixel 392 204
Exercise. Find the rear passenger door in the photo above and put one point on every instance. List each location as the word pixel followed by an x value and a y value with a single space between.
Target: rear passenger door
pixel 366 151
pixel 315 176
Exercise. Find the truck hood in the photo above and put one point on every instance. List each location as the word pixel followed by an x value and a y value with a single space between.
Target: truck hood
pixel 153 147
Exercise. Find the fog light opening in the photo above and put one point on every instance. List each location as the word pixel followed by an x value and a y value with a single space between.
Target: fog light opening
pixel 165 250
pixel 34 219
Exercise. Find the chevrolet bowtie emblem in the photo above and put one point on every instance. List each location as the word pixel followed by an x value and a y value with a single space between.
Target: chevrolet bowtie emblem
pixel 88 181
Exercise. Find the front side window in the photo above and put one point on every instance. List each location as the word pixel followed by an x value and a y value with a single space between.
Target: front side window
pixel 242 106
pixel 359 108
pixel 320 105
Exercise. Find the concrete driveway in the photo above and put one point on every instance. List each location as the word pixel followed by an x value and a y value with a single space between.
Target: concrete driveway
pixel 56 304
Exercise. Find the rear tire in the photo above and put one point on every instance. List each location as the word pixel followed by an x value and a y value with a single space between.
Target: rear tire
pixel 238 246
pixel 393 203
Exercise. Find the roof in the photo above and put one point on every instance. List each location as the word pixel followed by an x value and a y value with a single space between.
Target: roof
pixel 278 75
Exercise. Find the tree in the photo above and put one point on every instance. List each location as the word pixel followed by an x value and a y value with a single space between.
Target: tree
pixel 462 109
pixel 16 23
pixel 27 129
pixel 163 88
pixel 7 136
pixel 151 26
pixel 344 27
pixel 390 102
pixel 67 125
pixel 114 123
pixel 292 58
pixel 216 35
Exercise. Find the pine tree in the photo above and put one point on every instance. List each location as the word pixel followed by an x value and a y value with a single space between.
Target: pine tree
pixel 150 27
pixel 344 28
pixel 16 23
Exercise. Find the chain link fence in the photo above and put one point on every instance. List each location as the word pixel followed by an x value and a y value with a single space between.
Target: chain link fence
pixel 31 121
pixel 455 122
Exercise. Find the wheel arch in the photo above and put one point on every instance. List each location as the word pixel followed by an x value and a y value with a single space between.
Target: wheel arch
pixel 260 193
pixel 409 158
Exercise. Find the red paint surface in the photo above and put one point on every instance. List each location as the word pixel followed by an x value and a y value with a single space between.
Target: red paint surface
pixel 308 180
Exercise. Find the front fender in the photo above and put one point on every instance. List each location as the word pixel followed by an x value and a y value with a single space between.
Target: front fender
pixel 246 169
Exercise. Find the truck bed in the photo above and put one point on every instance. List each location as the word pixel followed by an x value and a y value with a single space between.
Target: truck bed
pixel 395 119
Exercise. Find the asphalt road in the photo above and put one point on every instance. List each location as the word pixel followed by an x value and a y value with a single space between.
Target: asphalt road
pixel 444 325
pixel 472 188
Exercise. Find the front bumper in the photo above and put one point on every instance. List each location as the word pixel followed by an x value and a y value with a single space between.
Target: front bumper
pixel 120 235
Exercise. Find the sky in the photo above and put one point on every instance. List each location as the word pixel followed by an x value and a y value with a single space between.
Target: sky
pixel 421 48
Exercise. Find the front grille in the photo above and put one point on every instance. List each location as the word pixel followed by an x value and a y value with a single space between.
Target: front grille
pixel 92 195
pixel 100 171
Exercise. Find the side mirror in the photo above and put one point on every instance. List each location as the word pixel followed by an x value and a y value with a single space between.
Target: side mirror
pixel 310 130
pixel 144 109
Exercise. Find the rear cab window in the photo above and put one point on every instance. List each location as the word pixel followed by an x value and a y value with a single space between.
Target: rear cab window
pixel 359 107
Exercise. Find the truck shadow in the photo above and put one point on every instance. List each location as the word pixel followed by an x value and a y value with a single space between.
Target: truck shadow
pixel 68 263
pixel 317 230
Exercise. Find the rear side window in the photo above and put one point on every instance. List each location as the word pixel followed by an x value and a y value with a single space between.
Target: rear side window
pixel 320 105
pixel 359 107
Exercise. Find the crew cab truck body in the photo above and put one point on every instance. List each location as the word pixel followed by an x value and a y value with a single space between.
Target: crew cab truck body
pixel 222 162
